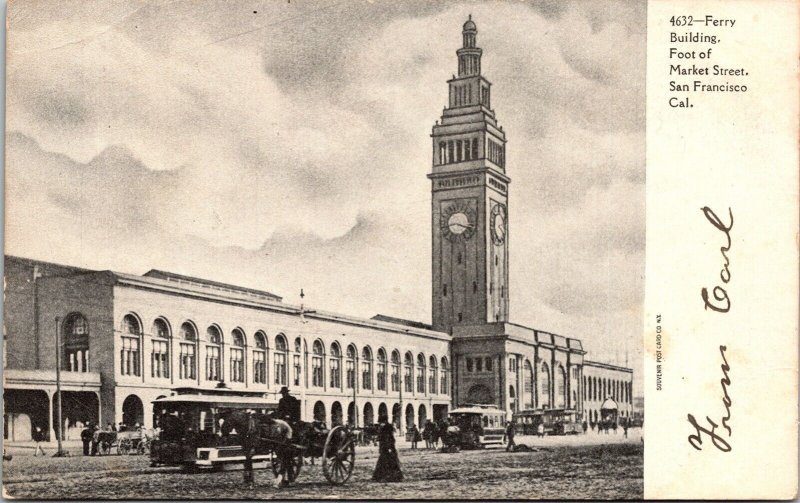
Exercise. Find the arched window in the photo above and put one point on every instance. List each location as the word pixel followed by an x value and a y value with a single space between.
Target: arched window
pixel 129 353
pixel 188 358
pixel 159 357
pixel 237 355
pixel 317 359
pixel 408 375
pixel 381 370
pixel 351 366
pixel 527 385
pixel 281 348
pixel 432 384
pixel 544 378
pixel 395 370
pixel 420 373
pixel 297 374
pixel 335 364
pixel 213 354
pixel 260 358
pixel 76 343
pixel 561 387
pixel 366 368
pixel 445 387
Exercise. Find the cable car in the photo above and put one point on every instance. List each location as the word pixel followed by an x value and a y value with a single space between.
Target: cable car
pixel 475 427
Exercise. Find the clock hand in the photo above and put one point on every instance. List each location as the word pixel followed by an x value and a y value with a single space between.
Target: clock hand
pixel 465 226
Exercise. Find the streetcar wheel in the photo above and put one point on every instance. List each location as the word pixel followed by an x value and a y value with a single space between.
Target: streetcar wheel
pixel 338 456
pixel 292 471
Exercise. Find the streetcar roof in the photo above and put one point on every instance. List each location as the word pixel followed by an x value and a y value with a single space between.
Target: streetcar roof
pixel 239 402
pixel 477 410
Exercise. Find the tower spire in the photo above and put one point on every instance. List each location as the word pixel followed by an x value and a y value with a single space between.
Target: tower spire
pixel 469 56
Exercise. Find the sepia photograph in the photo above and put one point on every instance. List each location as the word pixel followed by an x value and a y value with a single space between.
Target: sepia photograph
pixel 302 249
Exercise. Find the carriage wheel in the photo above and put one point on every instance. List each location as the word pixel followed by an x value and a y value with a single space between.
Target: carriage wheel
pixel 124 446
pixel 338 456
pixel 293 470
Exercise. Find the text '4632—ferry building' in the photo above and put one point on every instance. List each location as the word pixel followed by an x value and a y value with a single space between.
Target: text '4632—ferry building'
pixel 130 339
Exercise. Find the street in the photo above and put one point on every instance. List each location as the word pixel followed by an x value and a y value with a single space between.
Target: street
pixel 577 467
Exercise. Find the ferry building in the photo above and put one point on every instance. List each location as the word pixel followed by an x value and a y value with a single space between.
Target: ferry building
pixel 128 339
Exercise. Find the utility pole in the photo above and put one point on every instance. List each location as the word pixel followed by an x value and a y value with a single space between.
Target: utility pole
pixel 60 426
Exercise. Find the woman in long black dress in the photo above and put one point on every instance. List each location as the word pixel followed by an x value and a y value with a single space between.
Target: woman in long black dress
pixel 388 467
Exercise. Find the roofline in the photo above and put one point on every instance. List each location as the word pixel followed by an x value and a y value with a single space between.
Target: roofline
pixel 182 277
pixel 177 288
pixel 607 366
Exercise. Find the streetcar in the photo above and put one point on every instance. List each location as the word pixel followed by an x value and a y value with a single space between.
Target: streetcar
pixel 554 421
pixel 191 421
pixel 199 429
pixel 474 427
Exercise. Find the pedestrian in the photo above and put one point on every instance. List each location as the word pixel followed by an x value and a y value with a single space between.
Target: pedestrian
pixel 426 434
pixel 95 439
pixel 540 430
pixel 387 469
pixel 435 435
pixel 585 427
pixel 510 436
pixel 249 439
pixel 86 438
pixel 625 428
pixel 38 437
pixel 415 436
pixel 614 425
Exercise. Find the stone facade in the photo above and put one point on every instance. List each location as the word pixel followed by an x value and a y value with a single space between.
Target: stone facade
pixel 262 344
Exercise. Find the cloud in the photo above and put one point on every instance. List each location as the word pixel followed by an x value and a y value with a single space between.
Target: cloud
pixel 290 145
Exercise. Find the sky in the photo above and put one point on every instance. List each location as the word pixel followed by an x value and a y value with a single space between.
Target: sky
pixel 283 145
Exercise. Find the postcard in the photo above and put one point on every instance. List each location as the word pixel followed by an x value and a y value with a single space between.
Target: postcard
pixel 303 249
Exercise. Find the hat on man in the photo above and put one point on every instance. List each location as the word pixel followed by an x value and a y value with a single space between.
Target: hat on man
pixel 284 390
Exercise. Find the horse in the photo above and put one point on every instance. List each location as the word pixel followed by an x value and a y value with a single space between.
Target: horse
pixel 257 431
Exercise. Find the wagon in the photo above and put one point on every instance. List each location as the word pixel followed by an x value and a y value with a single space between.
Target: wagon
pixel 196 434
pixel 336 447
pixel 124 442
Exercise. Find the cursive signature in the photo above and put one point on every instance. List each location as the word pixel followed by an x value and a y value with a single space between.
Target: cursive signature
pixel 696 439
pixel 721 303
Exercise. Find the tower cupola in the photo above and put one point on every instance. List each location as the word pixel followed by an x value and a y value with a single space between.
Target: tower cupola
pixel 469 56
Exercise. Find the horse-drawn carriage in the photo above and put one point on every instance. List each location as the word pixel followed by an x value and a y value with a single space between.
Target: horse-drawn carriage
pixel 124 442
pixel 206 429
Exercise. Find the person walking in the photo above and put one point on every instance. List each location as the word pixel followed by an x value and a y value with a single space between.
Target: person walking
pixel 426 434
pixel 625 429
pixel 415 436
pixel 387 469
pixel 585 426
pixel 435 435
pixel 38 437
pixel 510 436
pixel 540 430
pixel 95 439
pixel 249 440
pixel 86 438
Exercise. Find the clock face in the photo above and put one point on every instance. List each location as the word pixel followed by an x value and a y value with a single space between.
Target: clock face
pixel 498 224
pixel 458 221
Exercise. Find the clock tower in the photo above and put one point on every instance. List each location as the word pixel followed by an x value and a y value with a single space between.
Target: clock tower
pixel 469 200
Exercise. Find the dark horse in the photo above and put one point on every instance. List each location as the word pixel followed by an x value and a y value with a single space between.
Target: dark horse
pixel 261 433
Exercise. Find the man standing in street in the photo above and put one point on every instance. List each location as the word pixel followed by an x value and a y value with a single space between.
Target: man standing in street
pixel 249 441
pixel 510 436
pixel 38 437
pixel 288 410
pixel 86 438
